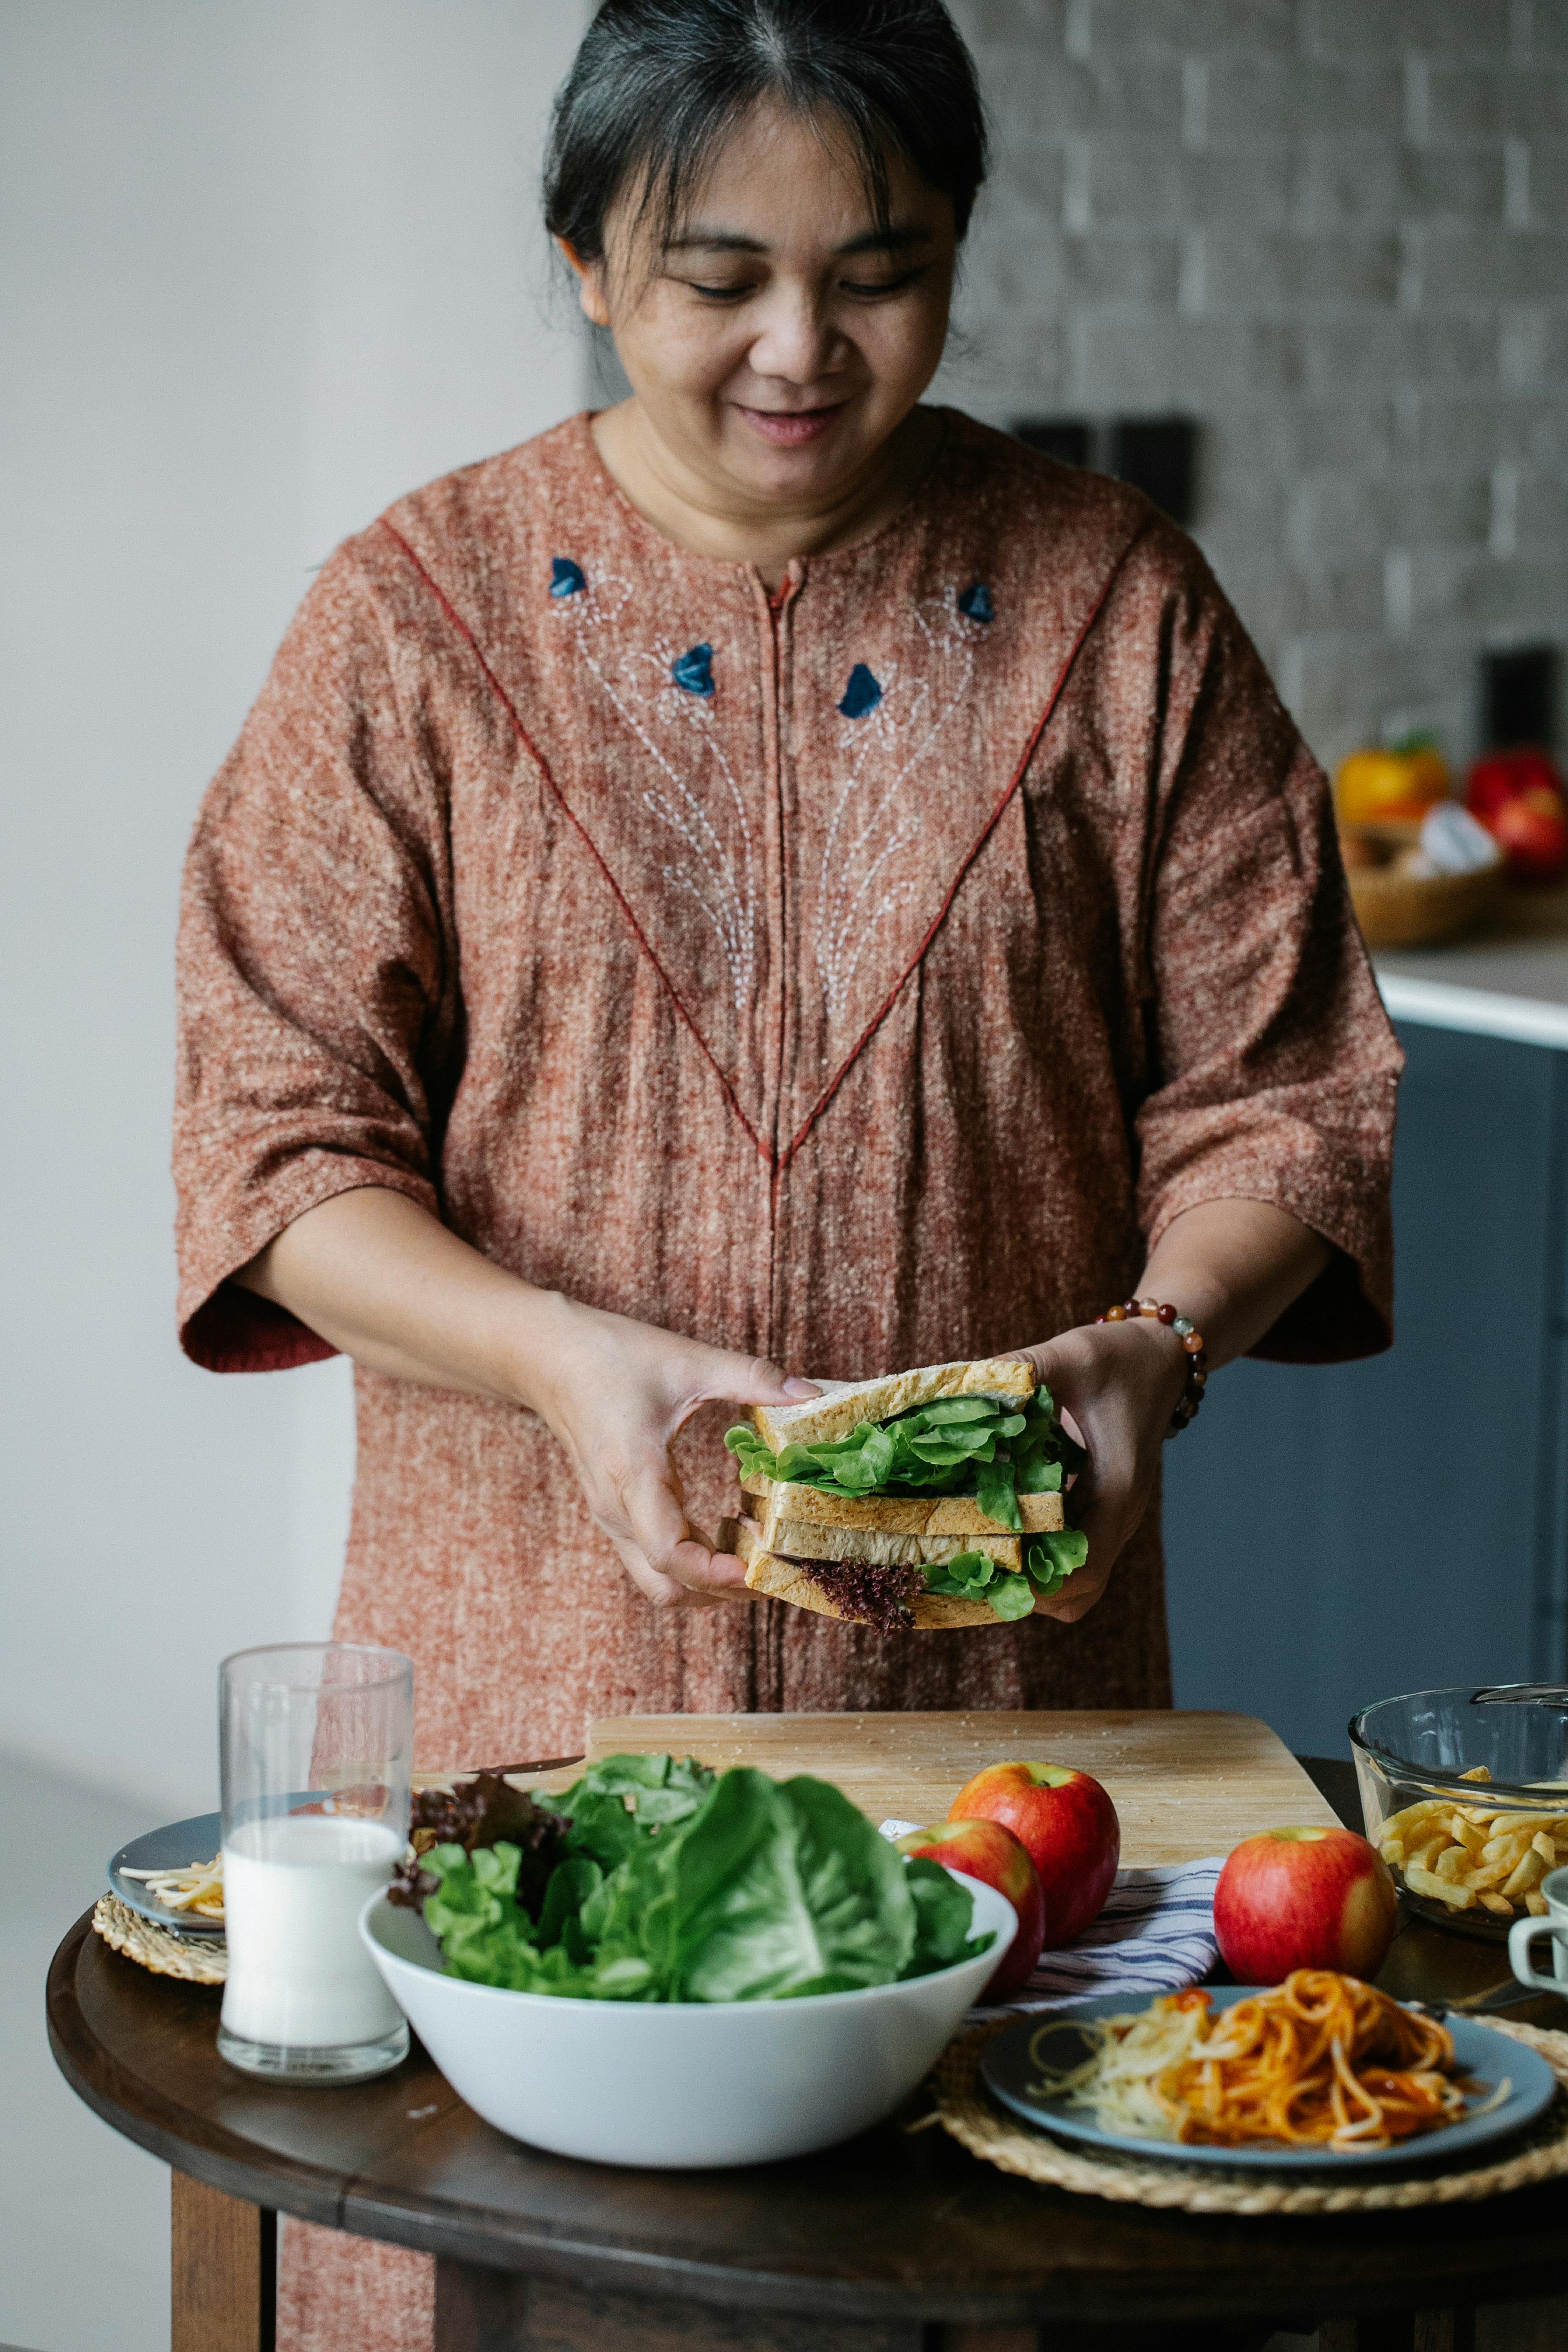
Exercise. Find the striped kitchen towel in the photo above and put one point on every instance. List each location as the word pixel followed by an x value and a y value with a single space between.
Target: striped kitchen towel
pixel 1155 1934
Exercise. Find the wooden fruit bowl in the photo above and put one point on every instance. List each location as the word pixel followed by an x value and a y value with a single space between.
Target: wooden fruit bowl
pixel 1412 910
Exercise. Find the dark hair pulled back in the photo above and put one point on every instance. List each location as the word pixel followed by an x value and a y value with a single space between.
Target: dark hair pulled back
pixel 656 84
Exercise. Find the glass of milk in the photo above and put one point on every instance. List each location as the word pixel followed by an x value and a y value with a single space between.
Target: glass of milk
pixel 316 1741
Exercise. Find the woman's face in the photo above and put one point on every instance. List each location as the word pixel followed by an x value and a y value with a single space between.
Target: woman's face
pixel 777 340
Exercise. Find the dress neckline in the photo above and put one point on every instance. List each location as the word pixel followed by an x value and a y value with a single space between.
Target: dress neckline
pixel 799 566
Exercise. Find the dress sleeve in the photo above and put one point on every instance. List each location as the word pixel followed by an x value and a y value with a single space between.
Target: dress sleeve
pixel 314 987
pixel 1274 1069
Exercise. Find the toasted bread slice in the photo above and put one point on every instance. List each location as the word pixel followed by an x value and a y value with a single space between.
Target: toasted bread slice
pixel 785 1580
pixel 844 1404
pixel 896 1515
pixel 807 1540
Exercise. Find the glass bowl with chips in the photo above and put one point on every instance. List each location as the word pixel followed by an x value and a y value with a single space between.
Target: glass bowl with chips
pixel 1465 1795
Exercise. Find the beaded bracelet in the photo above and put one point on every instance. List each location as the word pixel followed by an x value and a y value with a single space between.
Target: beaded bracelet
pixel 1192 1341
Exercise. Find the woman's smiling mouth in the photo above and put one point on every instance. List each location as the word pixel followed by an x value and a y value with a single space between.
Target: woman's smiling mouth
pixel 790 427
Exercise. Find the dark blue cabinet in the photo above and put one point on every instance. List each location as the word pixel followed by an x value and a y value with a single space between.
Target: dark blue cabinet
pixel 1339 1533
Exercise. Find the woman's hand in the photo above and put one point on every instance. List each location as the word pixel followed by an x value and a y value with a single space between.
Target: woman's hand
pixel 615 1394
pixel 1116 1385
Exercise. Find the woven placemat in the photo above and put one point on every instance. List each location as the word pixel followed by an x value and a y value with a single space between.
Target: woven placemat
pixel 965 2109
pixel 154 1947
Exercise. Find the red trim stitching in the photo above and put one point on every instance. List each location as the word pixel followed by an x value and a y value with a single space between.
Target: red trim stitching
pixel 543 765
pixel 777 1161
pixel 982 837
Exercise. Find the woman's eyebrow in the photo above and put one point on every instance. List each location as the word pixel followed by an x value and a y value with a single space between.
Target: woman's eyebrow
pixel 897 238
pixel 714 240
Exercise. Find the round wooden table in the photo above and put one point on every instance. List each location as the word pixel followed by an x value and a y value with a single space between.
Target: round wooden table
pixel 891 2243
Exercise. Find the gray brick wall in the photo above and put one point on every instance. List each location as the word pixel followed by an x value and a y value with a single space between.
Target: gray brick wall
pixel 1336 233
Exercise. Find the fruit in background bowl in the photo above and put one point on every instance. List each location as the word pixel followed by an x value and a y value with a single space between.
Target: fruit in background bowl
pixel 1070 1827
pixel 1304 1898
pixel 1520 798
pixel 1394 786
pixel 986 1850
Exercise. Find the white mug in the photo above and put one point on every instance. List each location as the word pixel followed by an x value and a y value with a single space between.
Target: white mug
pixel 1554 1923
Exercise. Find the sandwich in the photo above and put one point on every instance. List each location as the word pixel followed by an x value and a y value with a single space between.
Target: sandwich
pixel 928 1500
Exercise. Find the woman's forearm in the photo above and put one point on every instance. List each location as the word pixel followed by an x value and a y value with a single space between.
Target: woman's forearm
pixel 380 1277
pixel 383 1280
pixel 1233 1266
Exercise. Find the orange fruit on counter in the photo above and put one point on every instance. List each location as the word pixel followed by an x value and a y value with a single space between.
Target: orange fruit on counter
pixel 1391 787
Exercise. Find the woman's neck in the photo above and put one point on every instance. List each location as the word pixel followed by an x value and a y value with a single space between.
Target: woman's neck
pixel 706 519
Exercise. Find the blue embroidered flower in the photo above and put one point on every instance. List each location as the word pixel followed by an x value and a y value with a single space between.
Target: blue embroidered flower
pixel 862 694
pixel 565 577
pixel 694 670
pixel 975 603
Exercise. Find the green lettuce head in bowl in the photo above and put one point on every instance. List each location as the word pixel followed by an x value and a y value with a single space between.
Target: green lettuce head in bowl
pixel 670 1967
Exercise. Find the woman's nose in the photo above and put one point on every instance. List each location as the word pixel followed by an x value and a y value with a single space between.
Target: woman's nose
pixel 796 342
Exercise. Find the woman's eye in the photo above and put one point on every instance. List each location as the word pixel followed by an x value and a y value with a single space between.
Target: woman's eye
pixel 719 293
pixel 886 286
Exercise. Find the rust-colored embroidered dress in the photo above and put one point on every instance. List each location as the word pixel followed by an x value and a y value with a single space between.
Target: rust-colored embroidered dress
pixel 860 976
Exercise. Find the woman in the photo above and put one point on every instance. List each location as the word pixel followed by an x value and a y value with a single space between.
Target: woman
pixel 768 880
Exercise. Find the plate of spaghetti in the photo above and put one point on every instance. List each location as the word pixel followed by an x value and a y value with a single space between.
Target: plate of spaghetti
pixel 167 1875
pixel 1317 2074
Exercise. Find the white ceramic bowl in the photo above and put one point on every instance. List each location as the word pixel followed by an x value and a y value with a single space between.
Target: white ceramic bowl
pixel 678 2082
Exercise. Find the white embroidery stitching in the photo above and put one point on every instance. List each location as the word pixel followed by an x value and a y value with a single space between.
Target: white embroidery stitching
pixel 855 895
pixel 851 869
pixel 638 682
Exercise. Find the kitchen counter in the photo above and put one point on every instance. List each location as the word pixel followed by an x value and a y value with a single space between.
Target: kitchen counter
pixel 1509 980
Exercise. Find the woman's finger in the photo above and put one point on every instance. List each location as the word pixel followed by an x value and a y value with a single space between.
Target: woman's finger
pixel 716 1575
pixel 749 1379
pixel 1040 1358
pixel 656 1529
pixel 665 1591
pixel 1103 1525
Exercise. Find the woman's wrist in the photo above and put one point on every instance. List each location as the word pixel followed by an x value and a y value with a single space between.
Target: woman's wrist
pixel 544 1342
pixel 1190 1360
pixel 1199 1296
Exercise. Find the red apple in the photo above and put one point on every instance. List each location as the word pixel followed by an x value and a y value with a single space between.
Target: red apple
pixel 1069 1826
pixel 985 1850
pixel 1531 831
pixel 1304 1899
pixel 1520 798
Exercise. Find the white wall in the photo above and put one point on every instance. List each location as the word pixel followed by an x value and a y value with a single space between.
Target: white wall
pixel 264 266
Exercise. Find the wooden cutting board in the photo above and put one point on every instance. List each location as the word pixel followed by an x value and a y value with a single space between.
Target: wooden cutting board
pixel 1184 1783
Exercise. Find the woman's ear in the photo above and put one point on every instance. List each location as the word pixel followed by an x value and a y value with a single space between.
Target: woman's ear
pixel 590 284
